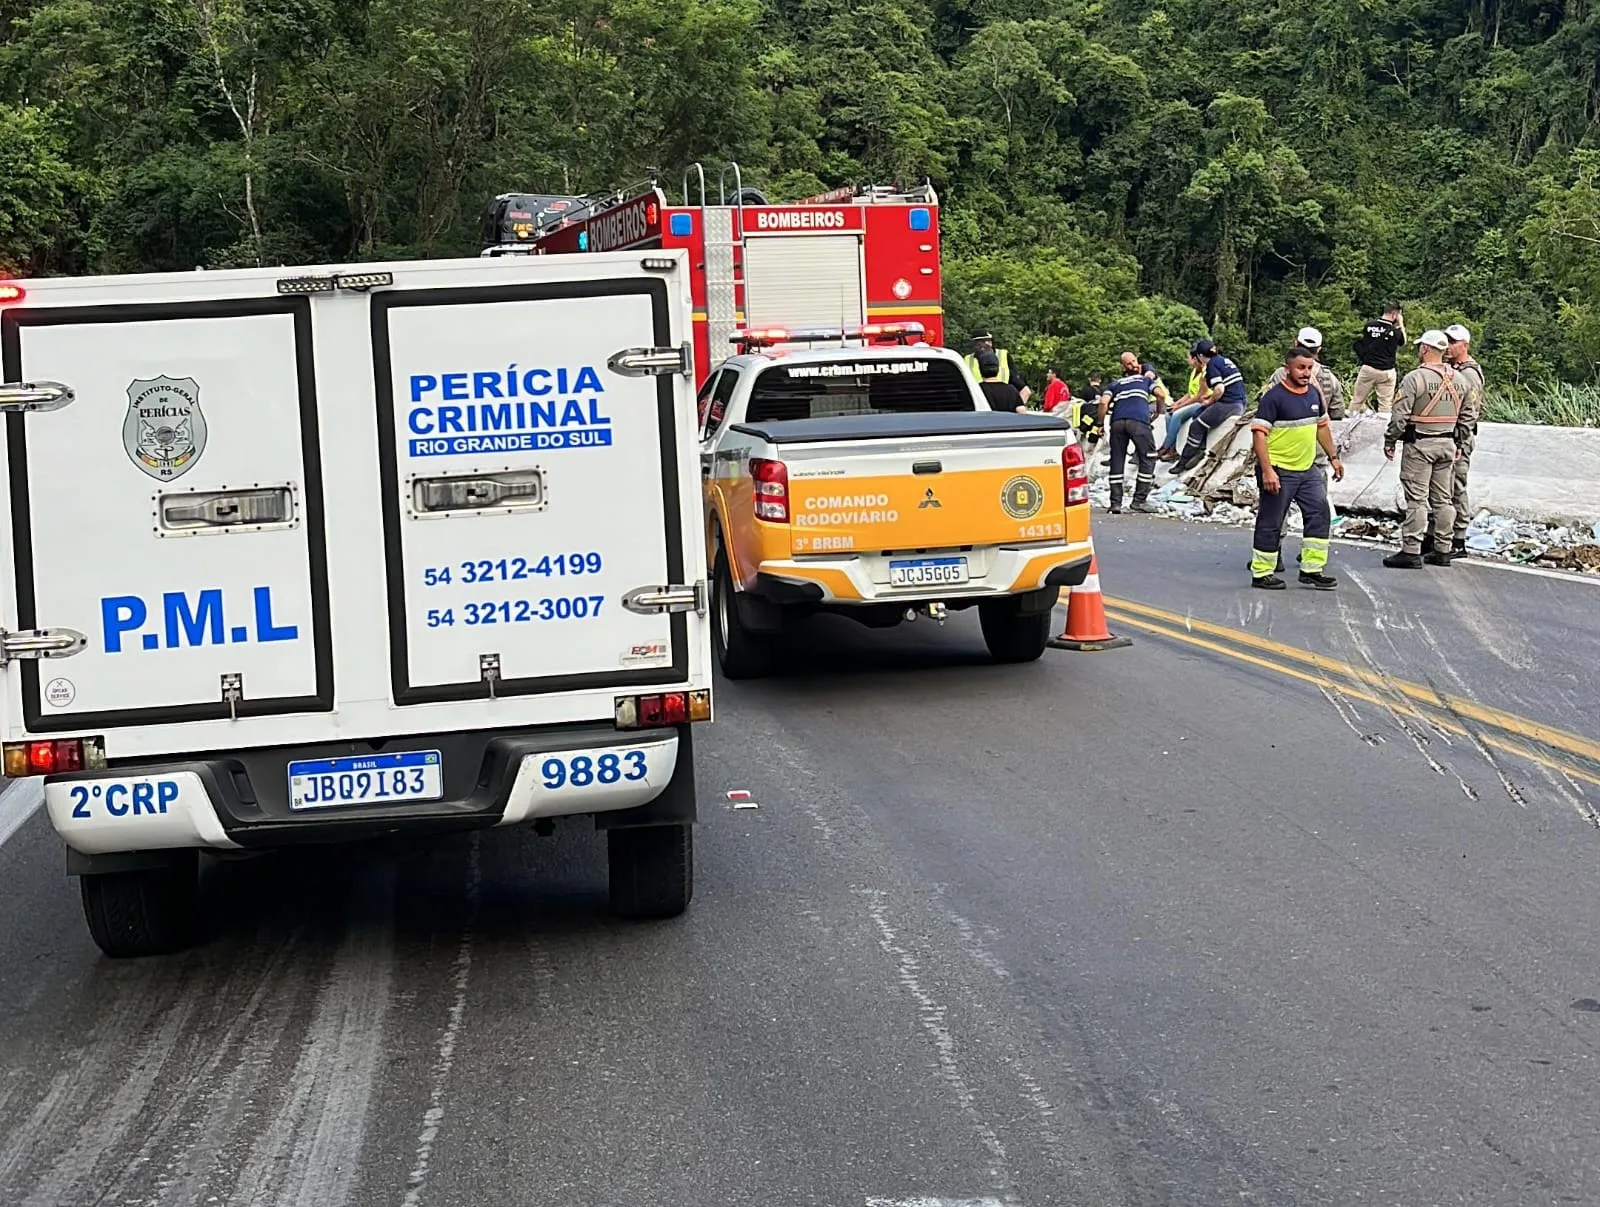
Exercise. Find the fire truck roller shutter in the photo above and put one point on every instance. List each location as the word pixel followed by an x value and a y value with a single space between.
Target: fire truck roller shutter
pixel 803 281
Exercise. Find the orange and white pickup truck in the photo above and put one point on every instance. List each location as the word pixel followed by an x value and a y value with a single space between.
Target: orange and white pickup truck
pixel 870 478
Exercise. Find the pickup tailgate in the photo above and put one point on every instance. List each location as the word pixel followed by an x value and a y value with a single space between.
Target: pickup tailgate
pixel 909 482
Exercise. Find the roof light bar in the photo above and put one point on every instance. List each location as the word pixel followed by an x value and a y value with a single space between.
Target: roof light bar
pixel 880 333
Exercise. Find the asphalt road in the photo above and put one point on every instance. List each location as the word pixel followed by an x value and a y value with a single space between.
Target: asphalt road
pixel 1192 922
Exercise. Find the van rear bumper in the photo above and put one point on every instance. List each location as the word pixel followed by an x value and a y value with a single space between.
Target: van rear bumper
pixel 241 800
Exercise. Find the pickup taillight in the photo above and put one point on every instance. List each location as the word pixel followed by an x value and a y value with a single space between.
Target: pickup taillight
pixel 1075 473
pixel 771 479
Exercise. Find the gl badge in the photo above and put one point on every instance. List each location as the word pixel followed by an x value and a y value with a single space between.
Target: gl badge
pixel 1022 497
pixel 164 431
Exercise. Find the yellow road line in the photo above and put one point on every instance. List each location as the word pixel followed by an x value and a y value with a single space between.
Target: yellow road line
pixel 1534 731
pixel 1321 681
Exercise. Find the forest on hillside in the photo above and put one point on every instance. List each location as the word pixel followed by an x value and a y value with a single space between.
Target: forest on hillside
pixel 1112 173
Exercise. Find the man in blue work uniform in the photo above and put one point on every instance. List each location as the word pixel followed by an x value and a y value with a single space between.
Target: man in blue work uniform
pixel 1291 421
pixel 1126 402
pixel 1224 396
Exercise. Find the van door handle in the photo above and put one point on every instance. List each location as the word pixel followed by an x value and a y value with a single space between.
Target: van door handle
pixel 227 508
pixel 927 467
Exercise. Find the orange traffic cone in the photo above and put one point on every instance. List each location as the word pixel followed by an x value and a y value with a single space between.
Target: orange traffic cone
pixel 1086 617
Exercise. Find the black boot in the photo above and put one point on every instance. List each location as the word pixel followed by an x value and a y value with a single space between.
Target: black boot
pixel 1269 582
pixel 1458 549
pixel 1427 545
pixel 1116 503
pixel 1437 559
pixel 1403 561
pixel 1318 580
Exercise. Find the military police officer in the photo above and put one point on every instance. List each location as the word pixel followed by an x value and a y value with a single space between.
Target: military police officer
pixel 1433 412
pixel 1459 357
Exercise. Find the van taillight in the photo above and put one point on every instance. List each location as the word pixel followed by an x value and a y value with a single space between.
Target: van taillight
pixel 47 758
pixel 664 708
pixel 771 480
pixel 1075 473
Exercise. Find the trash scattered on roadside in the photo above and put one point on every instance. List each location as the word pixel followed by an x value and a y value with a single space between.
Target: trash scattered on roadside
pixel 1488 535
pixel 740 799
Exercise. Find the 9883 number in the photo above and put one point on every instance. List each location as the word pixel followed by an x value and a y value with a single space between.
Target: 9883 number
pixel 585 771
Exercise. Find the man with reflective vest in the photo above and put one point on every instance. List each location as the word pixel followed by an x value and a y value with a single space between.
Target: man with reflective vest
pixel 1459 357
pixel 984 341
pixel 1291 422
pixel 1434 411
pixel 1224 397
pixel 1331 388
pixel 1126 404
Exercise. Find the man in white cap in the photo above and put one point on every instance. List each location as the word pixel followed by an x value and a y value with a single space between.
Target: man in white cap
pixel 1324 378
pixel 1433 411
pixel 1459 357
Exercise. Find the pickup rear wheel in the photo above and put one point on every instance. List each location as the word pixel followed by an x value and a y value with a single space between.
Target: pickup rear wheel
pixel 150 912
pixel 1013 635
pixel 740 653
pixel 652 870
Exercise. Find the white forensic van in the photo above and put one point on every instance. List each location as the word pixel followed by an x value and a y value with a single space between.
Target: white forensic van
pixel 309 555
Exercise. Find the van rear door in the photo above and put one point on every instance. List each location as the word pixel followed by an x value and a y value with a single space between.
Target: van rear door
pixel 531 483
pixel 171 513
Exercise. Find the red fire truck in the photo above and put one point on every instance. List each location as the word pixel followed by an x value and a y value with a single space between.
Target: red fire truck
pixel 839 259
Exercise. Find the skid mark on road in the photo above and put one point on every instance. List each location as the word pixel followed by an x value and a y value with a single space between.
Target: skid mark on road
pixel 934 1021
pixel 444 1061
pixel 309 1149
pixel 77 1119
pixel 19 802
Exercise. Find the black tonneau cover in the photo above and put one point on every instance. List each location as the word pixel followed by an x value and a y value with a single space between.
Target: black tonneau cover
pixel 870 427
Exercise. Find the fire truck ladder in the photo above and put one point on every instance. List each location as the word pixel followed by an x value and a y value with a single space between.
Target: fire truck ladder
pixel 724 231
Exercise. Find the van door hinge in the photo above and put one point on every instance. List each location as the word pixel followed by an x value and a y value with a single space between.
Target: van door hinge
pixel 647 601
pixel 21 397
pixel 653 362
pixel 40 643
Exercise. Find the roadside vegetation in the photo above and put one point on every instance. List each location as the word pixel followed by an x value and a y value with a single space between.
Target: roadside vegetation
pixel 1559 403
pixel 1114 173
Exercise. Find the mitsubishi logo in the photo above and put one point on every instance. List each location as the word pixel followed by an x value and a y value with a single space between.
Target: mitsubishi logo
pixel 928 500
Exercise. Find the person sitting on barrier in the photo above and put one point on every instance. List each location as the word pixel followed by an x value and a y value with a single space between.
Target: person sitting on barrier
pixel 1291 421
pixel 1185 409
pixel 1224 398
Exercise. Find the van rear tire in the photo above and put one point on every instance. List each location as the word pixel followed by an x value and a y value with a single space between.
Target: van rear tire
pixel 150 912
pixel 1013 635
pixel 741 653
pixel 651 870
